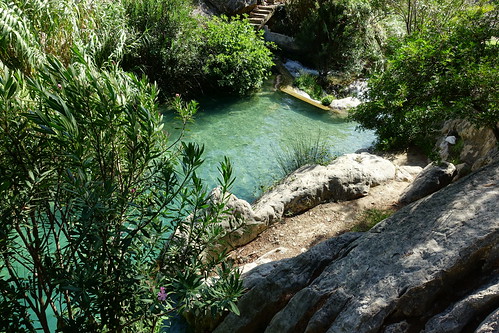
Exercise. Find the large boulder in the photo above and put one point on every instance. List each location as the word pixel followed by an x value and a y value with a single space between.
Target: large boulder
pixel 241 223
pixel 286 43
pixel 423 263
pixel 232 7
pixel 348 177
pixel 345 104
pixel 463 142
pixel 431 179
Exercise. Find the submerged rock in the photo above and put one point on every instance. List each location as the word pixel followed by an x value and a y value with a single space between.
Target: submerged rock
pixel 434 258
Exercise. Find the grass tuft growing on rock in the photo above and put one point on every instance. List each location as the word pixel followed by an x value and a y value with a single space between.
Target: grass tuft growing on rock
pixel 305 151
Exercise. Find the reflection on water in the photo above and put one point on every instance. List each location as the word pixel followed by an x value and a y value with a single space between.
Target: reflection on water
pixel 252 130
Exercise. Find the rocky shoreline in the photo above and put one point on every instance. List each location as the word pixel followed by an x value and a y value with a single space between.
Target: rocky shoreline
pixel 431 267
pixel 348 177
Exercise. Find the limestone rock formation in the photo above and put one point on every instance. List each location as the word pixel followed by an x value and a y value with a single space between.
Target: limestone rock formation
pixel 241 223
pixel 344 104
pixel 286 43
pixel 431 179
pixel 490 324
pixel 432 260
pixel 474 146
pixel 232 7
pixel 348 177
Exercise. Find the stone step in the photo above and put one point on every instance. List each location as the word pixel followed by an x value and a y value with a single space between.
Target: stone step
pixel 263 16
pixel 262 11
pixel 255 20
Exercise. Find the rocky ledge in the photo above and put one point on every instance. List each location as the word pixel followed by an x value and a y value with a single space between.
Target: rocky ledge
pixel 348 177
pixel 431 267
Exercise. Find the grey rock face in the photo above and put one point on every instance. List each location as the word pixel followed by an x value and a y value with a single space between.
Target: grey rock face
pixel 475 146
pixel 457 316
pixel 410 267
pixel 490 324
pixel 231 7
pixel 431 179
pixel 348 177
pixel 285 43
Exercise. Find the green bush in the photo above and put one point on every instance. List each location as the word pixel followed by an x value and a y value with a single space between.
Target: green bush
pixel 327 100
pixel 308 83
pixel 102 221
pixel 436 75
pixel 236 58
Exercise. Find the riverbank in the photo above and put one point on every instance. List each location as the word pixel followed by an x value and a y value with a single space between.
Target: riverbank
pixel 295 235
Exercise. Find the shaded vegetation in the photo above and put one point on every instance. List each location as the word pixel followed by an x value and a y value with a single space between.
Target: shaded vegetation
pixel 308 83
pixel 434 75
pixel 338 35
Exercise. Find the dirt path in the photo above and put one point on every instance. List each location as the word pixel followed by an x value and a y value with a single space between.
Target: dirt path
pixel 296 234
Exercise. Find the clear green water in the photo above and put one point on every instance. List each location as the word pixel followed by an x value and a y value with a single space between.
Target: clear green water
pixel 252 131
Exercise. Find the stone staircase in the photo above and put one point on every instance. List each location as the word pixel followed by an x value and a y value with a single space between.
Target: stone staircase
pixel 262 13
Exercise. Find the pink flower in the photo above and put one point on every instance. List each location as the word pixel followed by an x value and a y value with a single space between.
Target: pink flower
pixel 177 95
pixel 59 86
pixel 162 295
pixel 133 190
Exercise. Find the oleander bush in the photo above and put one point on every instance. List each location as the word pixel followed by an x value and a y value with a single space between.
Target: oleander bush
pixel 104 223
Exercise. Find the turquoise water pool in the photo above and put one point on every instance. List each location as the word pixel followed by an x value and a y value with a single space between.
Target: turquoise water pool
pixel 252 131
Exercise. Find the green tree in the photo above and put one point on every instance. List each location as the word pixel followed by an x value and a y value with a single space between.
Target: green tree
pixel 186 54
pixel 434 75
pixel 236 58
pixel 418 14
pixel 98 212
pixel 339 35
pixel 168 47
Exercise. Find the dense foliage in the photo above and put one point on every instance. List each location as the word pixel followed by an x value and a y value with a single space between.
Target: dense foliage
pixel 434 75
pixel 167 51
pixel 186 54
pixel 235 58
pixel 181 52
pixel 104 224
pixel 97 210
pixel 339 35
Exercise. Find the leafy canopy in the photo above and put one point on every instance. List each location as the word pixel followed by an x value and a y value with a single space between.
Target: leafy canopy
pixel 434 75
pixel 236 58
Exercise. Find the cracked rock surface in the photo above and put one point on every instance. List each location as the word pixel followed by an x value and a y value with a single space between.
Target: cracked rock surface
pixel 429 261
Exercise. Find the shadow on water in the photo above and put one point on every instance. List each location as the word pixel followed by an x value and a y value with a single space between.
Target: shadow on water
pixel 253 130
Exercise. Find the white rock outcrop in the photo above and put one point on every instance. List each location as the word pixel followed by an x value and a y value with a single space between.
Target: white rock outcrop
pixel 348 177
